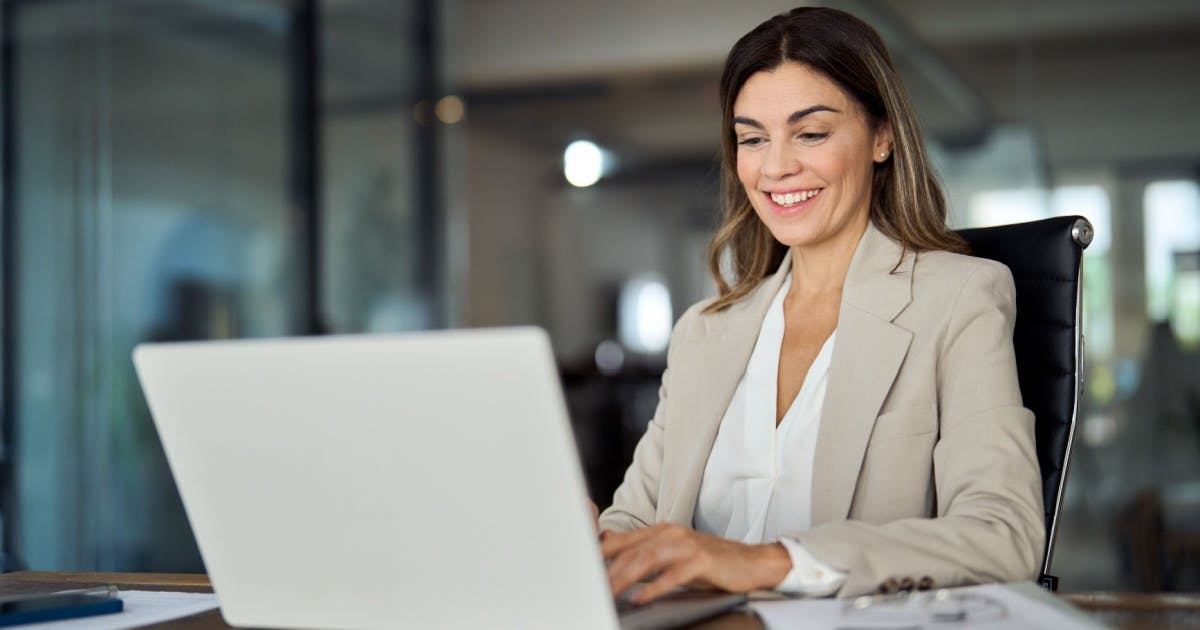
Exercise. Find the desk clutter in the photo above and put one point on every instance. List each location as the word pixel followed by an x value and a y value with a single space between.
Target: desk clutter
pixel 137 609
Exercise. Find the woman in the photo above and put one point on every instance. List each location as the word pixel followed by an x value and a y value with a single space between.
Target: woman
pixel 844 417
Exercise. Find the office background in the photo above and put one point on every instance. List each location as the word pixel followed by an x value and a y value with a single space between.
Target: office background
pixel 195 169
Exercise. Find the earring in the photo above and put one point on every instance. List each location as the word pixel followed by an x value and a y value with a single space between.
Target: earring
pixel 883 154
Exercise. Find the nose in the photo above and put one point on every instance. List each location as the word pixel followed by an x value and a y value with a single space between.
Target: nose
pixel 780 161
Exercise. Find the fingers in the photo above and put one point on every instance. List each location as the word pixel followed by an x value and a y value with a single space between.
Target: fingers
pixel 677 556
pixel 635 564
pixel 652 550
pixel 680 574
pixel 595 515
pixel 613 543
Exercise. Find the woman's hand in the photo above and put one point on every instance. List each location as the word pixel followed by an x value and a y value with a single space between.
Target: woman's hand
pixel 679 556
pixel 595 515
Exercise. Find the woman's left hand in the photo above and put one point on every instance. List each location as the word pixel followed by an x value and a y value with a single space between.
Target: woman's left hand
pixel 679 556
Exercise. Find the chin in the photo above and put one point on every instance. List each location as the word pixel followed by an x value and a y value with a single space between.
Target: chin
pixel 813 229
pixel 798 241
pixel 793 235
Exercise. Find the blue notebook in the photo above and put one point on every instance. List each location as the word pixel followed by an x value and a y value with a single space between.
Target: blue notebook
pixel 54 606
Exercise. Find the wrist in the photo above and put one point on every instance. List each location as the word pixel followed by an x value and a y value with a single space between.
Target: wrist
pixel 772 563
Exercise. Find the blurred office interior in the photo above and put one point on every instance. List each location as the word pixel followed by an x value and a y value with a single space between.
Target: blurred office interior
pixel 208 169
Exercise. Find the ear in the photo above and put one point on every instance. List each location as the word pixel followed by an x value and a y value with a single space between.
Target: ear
pixel 883 142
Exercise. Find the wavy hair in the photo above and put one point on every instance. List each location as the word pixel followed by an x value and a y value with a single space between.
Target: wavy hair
pixel 907 203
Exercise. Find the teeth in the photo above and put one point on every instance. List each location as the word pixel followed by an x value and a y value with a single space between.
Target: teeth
pixel 791 199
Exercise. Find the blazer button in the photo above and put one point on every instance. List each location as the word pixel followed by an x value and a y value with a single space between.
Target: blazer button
pixel 925 583
pixel 907 584
pixel 889 586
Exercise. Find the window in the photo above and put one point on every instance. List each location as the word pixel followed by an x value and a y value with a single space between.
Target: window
pixel 1172 230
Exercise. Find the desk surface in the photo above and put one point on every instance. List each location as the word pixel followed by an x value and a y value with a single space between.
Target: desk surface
pixel 1167 611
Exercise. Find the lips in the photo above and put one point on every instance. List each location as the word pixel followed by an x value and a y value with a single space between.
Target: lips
pixel 792 201
pixel 795 197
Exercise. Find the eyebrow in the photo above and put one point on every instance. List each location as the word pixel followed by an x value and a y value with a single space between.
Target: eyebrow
pixel 797 115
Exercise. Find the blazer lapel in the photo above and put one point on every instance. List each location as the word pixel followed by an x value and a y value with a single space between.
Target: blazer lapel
pixel 866 358
pixel 710 366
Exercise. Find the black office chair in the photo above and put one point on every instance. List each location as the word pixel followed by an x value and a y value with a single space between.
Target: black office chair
pixel 1045 258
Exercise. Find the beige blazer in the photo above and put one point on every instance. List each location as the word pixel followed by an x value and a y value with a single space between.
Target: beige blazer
pixel 925 466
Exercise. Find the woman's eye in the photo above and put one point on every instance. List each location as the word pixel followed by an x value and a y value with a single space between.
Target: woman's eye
pixel 813 137
pixel 750 142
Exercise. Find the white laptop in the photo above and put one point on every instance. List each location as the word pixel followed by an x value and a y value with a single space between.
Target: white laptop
pixel 423 481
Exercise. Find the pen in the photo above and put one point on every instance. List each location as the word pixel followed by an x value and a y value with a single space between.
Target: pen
pixel 108 590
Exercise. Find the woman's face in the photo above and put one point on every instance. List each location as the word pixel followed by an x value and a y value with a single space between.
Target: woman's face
pixel 805 155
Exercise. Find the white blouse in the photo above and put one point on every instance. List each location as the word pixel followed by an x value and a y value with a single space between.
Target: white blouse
pixel 758 480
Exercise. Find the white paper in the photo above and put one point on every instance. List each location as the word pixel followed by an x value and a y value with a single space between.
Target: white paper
pixel 1025 605
pixel 141 608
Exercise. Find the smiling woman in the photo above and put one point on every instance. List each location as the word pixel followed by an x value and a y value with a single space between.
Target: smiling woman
pixel 844 416
pixel 807 172
pixel 847 61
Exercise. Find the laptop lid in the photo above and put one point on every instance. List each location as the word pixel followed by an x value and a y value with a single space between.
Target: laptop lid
pixel 421 480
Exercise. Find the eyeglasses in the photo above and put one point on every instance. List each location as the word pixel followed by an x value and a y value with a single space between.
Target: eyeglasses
pixel 904 611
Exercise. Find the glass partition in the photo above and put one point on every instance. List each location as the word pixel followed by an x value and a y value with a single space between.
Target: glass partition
pixel 149 150
pixel 164 182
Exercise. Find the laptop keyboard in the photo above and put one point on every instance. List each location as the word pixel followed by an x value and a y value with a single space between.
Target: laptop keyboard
pixel 624 605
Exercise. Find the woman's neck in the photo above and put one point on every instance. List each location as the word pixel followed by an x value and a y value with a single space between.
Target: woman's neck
pixel 822 267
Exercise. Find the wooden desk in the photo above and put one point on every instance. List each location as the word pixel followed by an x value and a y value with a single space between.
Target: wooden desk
pixel 1137 611
pixel 1130 611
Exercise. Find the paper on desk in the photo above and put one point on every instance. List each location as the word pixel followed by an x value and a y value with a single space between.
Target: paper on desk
pixel 1026 606
pixel 141 608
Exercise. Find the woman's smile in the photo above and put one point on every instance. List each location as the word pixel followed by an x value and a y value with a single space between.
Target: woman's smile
pixel 793 202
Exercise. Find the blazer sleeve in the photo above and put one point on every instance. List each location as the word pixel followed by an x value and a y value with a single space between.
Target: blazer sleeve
pixel 989 525
pixel 635 503
pixel 636 499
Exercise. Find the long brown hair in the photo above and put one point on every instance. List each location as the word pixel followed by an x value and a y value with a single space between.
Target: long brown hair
pixel 907 203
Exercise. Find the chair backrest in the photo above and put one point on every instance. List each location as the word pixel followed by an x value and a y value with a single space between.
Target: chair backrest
pixel 1045 259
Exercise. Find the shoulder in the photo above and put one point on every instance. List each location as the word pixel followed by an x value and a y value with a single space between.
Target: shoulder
pixel 697 321
pixel 693 320
pixel 947 276
pixel 949 290
pixel 690 321
pixel 695 312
